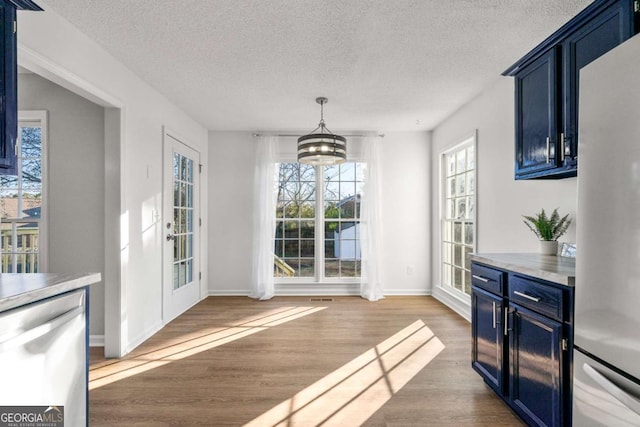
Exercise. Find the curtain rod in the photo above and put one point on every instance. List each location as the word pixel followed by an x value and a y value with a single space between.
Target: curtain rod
pixel 380 135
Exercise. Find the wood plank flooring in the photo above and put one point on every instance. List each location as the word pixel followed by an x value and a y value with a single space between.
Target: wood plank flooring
pixel 229 360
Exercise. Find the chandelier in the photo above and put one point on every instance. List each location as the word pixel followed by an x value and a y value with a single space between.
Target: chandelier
pixel 321 147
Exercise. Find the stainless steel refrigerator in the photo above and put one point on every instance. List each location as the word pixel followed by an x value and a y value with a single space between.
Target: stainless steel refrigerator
pixel 606 364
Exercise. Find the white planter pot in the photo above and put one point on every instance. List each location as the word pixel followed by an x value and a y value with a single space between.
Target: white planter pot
pixel 549 247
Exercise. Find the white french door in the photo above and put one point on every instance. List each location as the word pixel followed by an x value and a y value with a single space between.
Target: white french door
pixel 181 226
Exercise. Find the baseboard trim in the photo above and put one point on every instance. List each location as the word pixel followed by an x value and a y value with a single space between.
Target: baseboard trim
pixel 96 340
pixel 348 289
pixel 407 292
pixel 463 308
pixel 131 345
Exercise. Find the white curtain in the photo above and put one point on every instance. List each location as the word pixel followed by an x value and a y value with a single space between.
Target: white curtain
pixel 264 208
pixel 371 222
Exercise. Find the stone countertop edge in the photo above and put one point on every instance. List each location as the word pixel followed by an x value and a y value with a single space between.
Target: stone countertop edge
pixel 551 268
pixel 17 289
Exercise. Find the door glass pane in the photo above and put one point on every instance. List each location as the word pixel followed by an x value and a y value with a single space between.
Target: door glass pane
pixel 183 220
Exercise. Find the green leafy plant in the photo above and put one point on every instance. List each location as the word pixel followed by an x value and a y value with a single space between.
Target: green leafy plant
pixel 547 227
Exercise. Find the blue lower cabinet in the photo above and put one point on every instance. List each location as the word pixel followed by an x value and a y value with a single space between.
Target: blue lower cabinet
pixel 535 372
pixel 522 343
pixel 487 312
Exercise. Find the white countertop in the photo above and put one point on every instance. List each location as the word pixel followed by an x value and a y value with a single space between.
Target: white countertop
pixel 20 289
pixel 556 269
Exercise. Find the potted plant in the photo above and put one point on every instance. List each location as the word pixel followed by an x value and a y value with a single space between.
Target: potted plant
pixel 548 229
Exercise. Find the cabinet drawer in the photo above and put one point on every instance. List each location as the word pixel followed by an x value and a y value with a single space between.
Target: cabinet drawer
pixel 537 296
pixel 487 278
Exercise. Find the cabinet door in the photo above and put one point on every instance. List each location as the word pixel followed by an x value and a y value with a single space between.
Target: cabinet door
pixel 537 116
pixel 487 312
pixel 598 36
pixel 8 83
pixel 535 368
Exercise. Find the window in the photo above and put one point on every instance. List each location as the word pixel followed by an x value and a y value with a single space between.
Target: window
pixel 21 199
pixel 318 232
pixel 458 216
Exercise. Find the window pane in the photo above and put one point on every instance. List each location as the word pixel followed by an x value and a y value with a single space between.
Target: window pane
pixel 471 158
pixel 468 233
pixel 470 207
pixel 307 229
pixel 307 248
pixel 470 182
pixel 348 269
pixel 450 211
pixel 308 209
pixel 461 164
pixel 457 278
pixel 457 255
pixel 332 268
pixel 461 209
pixel 461 185
pixel 451 187
pixel 451 164
pixel 331 210
pixel 330 249
pixel 347 190
pixel 457 232
pixel 291 248
pixel 330 229
pixel 279 248
pixel 347 172
pixel 291 230
pixel 307 268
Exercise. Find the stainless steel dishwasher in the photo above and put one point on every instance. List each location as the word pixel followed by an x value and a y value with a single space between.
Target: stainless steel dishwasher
pixel 43 357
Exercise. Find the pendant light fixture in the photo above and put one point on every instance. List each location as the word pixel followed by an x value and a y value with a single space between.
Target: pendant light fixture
pixel 322 147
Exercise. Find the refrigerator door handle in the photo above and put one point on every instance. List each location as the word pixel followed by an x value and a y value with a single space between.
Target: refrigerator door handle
pixel 625 398
pixel 38 331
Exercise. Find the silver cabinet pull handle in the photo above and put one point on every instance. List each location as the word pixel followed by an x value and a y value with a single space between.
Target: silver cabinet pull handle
pixel 562 147
pixel 494 314
pixel 529 297
pixel 548 154
pixel 506 321
pixel 625 398
pixel 482 279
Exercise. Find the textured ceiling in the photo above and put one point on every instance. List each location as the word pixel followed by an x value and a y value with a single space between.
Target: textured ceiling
pixel 259 64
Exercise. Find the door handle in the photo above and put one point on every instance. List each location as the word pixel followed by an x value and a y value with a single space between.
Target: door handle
pixel 625 398
pixel 171 237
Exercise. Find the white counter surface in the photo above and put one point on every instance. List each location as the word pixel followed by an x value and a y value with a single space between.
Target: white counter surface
pixel 552 268
pixel 19 289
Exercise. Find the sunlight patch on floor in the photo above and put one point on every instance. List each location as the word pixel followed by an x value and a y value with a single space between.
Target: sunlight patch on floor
pixel 193 344
pixel 354 392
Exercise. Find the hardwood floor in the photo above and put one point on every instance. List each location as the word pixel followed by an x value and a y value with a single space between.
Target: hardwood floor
pixel 231 360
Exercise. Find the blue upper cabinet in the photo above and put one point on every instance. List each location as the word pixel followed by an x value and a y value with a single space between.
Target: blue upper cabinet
pixel 547 87
pixel 8 82
pixel 537 111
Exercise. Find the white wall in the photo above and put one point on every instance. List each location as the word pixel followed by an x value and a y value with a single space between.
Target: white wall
pixel 501 200
pixel 49 45
pixel 75 182
pixel 406 211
